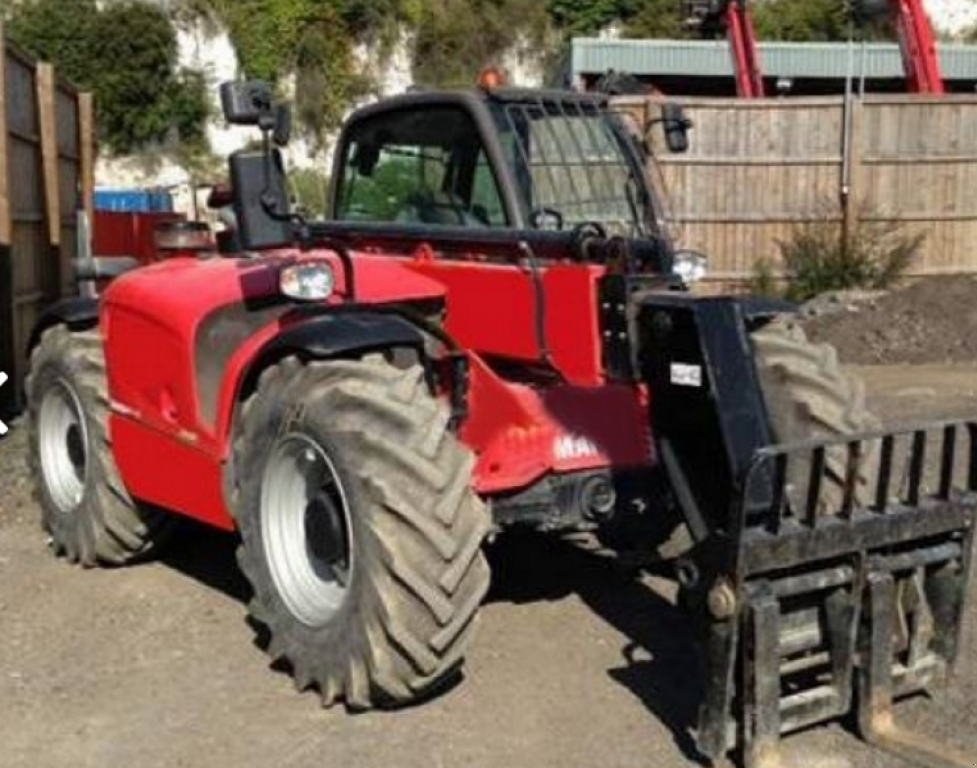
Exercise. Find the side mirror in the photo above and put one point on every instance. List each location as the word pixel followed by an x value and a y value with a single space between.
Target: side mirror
pixel 247 103
pixel 677 126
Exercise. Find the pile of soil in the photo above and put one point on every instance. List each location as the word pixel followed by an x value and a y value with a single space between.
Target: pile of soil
pixel 931 321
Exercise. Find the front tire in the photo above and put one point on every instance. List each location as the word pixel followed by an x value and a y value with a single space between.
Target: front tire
pixel 85 507
pixel 809 395
pixel 361 535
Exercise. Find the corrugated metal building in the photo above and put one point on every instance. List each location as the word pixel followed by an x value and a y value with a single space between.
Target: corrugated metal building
pixel 705 67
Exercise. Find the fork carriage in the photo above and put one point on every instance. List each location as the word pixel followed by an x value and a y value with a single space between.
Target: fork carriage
pixel 815 615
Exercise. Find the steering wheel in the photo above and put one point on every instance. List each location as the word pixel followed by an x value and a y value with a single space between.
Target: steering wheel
pixel 538 215
pixel 588 229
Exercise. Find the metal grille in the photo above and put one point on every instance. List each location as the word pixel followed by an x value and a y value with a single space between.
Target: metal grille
pixel 570 159
pixel 865 593
pixel 877 474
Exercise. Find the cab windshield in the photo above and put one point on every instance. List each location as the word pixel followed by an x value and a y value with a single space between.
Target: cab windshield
pixel 573 165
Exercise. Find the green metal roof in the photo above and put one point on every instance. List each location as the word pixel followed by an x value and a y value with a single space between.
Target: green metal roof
pixel 711 58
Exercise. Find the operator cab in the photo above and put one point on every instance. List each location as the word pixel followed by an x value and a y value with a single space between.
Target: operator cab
pixel 490 170
pixel 501 158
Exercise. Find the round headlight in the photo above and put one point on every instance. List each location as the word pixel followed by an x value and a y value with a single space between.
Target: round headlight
pixel 308 282
pixel 690 266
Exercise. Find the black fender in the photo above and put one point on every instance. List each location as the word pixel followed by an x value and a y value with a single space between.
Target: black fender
pixel 78 313
pixel 334 335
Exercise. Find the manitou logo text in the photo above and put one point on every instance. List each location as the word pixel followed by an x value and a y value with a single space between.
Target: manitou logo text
pixel 571 447
pixel 3 380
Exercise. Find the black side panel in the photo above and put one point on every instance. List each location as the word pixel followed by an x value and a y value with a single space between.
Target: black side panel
pixel 78 312
pixel 707 409
pixel 220 335
pixel 260 200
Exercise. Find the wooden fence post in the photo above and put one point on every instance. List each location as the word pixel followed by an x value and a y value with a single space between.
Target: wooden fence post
pixel 86 141
pixel 8 396
pixel 47 113
pixel 856 150
pixel 6 222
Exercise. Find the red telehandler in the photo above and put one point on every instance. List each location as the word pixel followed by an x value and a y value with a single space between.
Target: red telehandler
pixel 492 330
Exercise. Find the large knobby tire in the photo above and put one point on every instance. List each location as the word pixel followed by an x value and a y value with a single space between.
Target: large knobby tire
pixel 361 535
pixel 85 506
pixel 809 395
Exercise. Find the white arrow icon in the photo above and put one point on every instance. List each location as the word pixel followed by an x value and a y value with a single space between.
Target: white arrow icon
pixel 3 380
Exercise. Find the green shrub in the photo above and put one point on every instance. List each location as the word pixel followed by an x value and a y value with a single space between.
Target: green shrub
pixel 763 281
pixel 818 257
pixel 802 20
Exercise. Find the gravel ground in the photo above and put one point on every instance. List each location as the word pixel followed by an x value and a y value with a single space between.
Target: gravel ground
pixel 576 663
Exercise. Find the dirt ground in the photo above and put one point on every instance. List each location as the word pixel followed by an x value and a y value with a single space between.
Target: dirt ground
pixel 931 321
pixel 576 663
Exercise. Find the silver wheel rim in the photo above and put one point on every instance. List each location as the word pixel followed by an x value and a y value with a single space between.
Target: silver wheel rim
pixel 305 526
pixel 63 446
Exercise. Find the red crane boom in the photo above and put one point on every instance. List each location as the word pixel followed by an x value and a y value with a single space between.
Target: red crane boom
pixel 919 56
pixel 916 41
pixel 746 53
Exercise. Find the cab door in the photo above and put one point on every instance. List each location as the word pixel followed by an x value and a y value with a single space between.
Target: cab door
pixel 427 169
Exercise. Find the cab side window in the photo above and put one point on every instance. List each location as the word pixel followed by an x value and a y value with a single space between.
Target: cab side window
pixel 419 166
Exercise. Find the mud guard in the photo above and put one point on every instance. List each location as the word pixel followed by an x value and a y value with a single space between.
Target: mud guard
pixel 804 617
pixel 76 313
pixel 333 334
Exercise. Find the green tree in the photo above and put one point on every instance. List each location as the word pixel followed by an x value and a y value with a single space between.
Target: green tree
pixel 656 19
pixel 126 54
pixel 311 39
pixel 802 20
pixel 455 39
pixel 638 18
pixel 585 17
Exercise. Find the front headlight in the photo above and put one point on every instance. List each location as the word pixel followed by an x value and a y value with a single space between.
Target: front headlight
pixel 690 266
pixel 308 282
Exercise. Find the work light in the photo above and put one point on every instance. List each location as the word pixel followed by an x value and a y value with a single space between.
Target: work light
pixel 308 282
pixel 690 266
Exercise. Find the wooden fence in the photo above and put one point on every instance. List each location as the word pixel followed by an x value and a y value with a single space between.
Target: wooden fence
pixel 757 169
pixel 46 175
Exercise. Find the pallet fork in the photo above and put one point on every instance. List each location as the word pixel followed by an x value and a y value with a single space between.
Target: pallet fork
pixel 817 614
pixel 815 595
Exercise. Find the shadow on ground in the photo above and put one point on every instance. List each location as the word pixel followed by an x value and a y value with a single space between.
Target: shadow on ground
pixel 658 660
pixel 207 555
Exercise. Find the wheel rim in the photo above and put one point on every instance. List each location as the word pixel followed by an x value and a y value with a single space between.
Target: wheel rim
pixel 305 526
pixel 63 446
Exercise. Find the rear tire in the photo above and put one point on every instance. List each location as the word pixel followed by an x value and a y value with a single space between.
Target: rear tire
pixel 84 505
pixel 361 535
pixel 808 396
